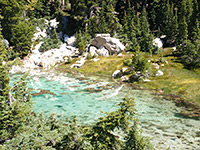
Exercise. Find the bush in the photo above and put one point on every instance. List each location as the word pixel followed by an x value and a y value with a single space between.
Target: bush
pixel 140 63
pixel 191 54
pixel 52 42
pixel 127 62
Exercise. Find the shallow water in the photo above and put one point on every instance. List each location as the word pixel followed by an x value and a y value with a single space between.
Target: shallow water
pixel 70 95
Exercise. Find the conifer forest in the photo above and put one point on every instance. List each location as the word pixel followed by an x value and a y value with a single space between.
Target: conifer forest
pixel 33 31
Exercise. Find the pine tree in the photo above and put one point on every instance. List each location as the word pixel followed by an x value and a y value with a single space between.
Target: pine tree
pixel 22 34
pixel 171 26
pixel 183 26
pixel 11 11
pixel 146 38
pixel 15 106
pixel 193 29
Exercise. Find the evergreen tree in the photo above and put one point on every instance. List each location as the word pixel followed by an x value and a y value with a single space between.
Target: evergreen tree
pixel 42 9
pixel 193 28
pixel 191 54
pixel 171 25
pixel 182 28
pixel 52 42
pixel 146 38
pixel 22 34
pixel 12 11
pixel 129 29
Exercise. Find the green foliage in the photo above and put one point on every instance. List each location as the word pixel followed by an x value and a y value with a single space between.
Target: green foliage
pixel 140 63
pixel 50 43
pixel 191 54
pixel 82 40
pixel 127 62
pixel 146 38
pixel 38 133
pixel 89 56
pixel 39 23
pixel 183 26
pixel 11 12
pixel 69 60
pixel 15 106
pixel 22 34
pixel 135 141
pixel 103 134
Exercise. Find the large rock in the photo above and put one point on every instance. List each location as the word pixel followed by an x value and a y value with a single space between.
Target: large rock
pixel 113 45
pixel 93 51
pixel 70 40
pixel 158 42
pixel 117 74
pixel 102 51
pixel 5 42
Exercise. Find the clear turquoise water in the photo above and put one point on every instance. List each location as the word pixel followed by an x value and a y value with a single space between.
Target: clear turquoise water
pixel 87 97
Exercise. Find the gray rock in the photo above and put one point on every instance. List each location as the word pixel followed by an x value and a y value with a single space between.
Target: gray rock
pixel 93 51
pixel 71 41
pixel 5 42
pixel 117 74
pixel 102 51
pixel 113 45
pixel 159 73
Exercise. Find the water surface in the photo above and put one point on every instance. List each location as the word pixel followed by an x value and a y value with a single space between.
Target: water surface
pixel 68 95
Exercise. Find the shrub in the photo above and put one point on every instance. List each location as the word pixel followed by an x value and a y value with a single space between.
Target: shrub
pixel 127 62
pixel 140 63
pixel 52 42
pixel 191 54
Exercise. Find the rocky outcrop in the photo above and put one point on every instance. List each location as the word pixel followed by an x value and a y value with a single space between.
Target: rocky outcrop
pixel 104 41
pixel 102 51
pixel 46 59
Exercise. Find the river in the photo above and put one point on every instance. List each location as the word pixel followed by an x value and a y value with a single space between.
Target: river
pixel 74 94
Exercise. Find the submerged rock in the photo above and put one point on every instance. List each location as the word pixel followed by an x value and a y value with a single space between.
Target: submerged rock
pixel 43 92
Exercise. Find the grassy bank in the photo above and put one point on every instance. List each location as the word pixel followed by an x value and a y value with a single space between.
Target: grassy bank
pixel 176 79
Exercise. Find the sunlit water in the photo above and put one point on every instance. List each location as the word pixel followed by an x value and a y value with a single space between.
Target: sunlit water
pixel 71 95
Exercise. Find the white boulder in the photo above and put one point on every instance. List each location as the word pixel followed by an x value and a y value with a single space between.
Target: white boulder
pixel 70 40
pixel 124 78
pixel 159 73
pixel 93 51
pixel 53 23
pixel 102 51
pixel 124 69
pixel 117 74
pixel 113 45
pixel 158 42
pixel 38 29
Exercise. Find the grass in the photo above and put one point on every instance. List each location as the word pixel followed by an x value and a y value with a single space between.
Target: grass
pixel 176 79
